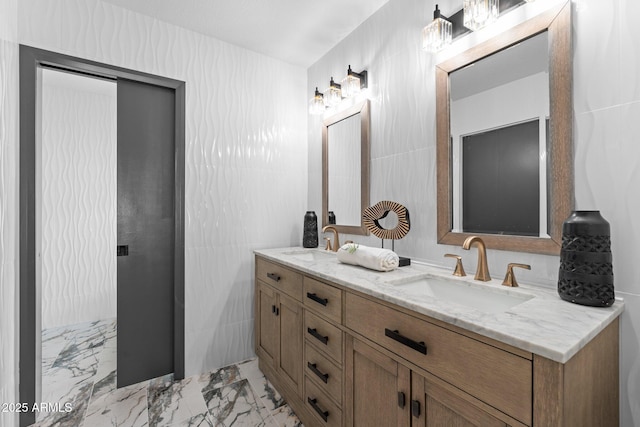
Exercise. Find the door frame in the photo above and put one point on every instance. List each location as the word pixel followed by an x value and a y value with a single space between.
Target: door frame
pixel 30 60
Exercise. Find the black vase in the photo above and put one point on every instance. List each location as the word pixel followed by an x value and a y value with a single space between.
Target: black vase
pixel 310 231
pixel 586 269
pixel 332 217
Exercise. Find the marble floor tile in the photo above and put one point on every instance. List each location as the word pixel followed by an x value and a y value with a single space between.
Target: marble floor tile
pixel 236 405
pixel 126 407
pixel 80 369
pixel 172 402
pixel 285 417
pixel 219 378
pixel 263 388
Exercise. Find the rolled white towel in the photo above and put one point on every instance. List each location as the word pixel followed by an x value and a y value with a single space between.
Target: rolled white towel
pixel 364 256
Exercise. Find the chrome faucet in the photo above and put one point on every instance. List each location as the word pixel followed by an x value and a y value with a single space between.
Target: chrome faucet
pixel 482 270
pixel 336 238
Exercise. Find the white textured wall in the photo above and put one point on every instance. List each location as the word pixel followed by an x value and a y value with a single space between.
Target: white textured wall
pixel 245 149
pixel 8 206
pixel 78 199
pixel 403 142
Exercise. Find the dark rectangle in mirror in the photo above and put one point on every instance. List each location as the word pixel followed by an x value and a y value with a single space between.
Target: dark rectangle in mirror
pixel 501 180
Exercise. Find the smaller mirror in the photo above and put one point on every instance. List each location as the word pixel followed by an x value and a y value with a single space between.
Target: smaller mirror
pixel 345 168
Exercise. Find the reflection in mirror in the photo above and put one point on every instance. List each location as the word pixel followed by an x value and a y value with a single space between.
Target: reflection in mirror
pixel 75 236
pixel 504 137
pixel 345 168
pixel 499 112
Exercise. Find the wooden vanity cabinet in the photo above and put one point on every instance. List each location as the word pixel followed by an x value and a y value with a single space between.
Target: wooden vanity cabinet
pixel 341 358
pixel 278 326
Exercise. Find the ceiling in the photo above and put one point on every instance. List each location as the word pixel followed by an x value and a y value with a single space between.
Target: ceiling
pixel 295 31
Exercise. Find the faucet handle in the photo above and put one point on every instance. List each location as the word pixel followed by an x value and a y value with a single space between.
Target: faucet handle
pixel 459 270
pixel 510 278
pixel 328 247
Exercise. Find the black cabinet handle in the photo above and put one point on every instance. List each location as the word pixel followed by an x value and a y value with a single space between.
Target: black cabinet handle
pixel 317 299
pixel 275 310
pixel 315 370
pixel 395 335
pixel 415 408
pixel 273 276
pixel 314 405
pixel 402 399
pixel 314 332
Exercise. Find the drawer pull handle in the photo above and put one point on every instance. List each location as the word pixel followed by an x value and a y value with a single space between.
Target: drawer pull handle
pixel 314 332
pixel 315 370
pixel 317 299
pixel 314 405
pixel 415 408
pixel 273 276
pixel 395 335
pixel 402 399
pixel 275 310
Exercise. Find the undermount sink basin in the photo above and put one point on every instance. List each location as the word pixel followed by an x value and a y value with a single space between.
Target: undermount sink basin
pixel 310 255
pixel 477 296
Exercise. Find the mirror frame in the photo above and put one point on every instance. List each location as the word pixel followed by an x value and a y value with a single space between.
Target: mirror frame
pixel 557 21
pixel 365 120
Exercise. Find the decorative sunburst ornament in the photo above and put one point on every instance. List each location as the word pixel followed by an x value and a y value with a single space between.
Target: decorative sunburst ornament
pixel 380 210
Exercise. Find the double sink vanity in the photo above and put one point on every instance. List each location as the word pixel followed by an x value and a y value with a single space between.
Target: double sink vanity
pixel 347 346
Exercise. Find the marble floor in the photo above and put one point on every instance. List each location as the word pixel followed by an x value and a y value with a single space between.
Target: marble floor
pixel 79 388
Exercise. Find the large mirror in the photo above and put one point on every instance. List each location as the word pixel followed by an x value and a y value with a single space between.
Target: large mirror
pixel 504 138
pixel 345 169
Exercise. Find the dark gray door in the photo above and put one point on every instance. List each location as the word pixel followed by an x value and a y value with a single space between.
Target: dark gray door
pixel 146 223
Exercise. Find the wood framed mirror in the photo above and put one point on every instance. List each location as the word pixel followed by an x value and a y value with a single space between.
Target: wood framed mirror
pixel 476 195
pixel 345 168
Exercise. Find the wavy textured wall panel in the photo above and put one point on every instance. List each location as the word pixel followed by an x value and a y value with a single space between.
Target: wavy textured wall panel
pixel 246 154
pixel 8 207
pixel 78 199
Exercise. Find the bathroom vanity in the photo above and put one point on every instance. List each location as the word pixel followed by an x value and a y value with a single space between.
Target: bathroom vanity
pixel 347 346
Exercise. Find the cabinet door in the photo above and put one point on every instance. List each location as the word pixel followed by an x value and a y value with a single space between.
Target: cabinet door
pixel 290 361
pixel 447 406
pixel 267 332
pixel 377 388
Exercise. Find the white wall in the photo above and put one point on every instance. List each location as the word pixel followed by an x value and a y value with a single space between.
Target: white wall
pixel 77 200
pixel 403 142
pixel 8 205
pixel 245 147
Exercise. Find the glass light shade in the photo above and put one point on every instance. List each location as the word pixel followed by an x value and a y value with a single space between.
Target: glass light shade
pixel 316 104
pixel 479 13
pixel 333 94
pixel 350 86
pixel 436 35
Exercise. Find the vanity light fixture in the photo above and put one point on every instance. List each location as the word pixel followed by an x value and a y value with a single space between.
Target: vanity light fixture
pixel 479 13
pixel 438 34
pixel 316 104
pixel 333 94
pixel 353 83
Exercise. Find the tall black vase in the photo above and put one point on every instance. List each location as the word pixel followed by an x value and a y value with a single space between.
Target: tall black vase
pixel 310 231
pixel 586 269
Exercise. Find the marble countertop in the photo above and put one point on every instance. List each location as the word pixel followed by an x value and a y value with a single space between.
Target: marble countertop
pixel 543 324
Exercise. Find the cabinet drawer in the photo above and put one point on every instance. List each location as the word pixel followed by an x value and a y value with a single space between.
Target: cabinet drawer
pixel 499 378
pixel 323 299
pixel 280 278
pixel 324 336
pixel 328 377
pixel 321 406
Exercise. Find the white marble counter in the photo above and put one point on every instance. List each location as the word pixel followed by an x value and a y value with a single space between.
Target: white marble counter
pixel 544 324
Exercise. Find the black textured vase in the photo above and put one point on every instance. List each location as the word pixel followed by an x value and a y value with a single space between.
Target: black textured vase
pixel 332 217
pixel 310 232
pixel 586 269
